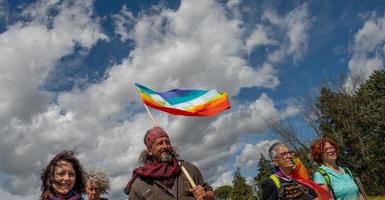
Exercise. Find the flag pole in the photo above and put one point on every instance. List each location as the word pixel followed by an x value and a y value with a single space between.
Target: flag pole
pixel 361 188
pixel 148 111
pixel 185 172
pixel 149 114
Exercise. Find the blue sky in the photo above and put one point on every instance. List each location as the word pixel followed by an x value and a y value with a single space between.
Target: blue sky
pixel 68 70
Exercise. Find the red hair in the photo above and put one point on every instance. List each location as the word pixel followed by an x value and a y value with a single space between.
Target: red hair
pixel 318 148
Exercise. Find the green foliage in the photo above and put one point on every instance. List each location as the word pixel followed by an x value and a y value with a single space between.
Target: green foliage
pixel 376 198
pixel 223 192
pixel 355 120
pixel 357 123
pixel 241 190
pixel 264 171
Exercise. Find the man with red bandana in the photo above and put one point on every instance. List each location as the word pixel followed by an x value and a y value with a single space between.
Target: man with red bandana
pixel 160 177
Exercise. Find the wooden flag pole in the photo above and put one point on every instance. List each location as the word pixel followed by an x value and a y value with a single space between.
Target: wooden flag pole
pixel 148 111
pixel 361 188
pixel 185 172
pixel 149 114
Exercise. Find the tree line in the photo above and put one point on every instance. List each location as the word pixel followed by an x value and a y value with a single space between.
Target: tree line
pixel 354 117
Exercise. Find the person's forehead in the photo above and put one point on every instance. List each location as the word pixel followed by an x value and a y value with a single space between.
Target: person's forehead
pixel 327 144
pixel 63 164
pixel 282 149
pixel 161 139
pixel 92 184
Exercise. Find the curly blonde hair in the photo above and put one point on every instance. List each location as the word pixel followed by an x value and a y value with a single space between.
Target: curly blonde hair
pixel 98 178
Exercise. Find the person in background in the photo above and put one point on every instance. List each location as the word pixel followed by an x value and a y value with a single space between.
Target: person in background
pixel 290 179
pixel 161 177
pixel 97 183
pixel 63 178
pixel 337 180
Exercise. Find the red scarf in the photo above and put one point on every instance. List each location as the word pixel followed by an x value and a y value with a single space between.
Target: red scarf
pixel 154 170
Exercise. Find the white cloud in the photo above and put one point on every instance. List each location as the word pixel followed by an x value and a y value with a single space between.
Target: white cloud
pixel 233 3
pixel 197 42
pixel 225 178
pixel 124 21
pixel 294 26
pixel 247 159
pixel 250 181
pixel 367 48
pixel 251 154
pixel 7 195
pixel 28 52
pixel 196 46
pixel 258 37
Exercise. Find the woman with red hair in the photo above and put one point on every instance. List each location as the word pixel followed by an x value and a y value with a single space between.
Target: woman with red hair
pixel 338 180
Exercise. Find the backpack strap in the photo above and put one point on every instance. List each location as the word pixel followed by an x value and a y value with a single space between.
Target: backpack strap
pixel 326 177
pixel 347 170
pixel 276 181
pixel 327 180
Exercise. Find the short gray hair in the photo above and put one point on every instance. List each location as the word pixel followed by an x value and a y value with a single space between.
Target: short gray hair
pixel 273 150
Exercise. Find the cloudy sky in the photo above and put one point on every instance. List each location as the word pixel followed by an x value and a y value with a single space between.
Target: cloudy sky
pixel 68 70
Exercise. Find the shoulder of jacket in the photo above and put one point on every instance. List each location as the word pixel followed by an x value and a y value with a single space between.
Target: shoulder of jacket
pixel 189 166
pixel 276 181
pixel 141 184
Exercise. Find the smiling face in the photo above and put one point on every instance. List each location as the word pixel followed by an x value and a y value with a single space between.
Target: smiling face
pixel 64 178
pixel 283 159
pixel 161 150
pixel 329 154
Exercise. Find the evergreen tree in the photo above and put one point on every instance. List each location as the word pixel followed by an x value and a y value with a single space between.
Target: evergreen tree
pixel 357 122
pixel 223 192
pixel 371 120
pixel 241 190
pixel 264 171
pixel 355 119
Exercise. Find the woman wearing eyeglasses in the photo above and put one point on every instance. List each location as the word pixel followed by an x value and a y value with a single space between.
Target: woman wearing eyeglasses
pixel 63 178
pixel 337 180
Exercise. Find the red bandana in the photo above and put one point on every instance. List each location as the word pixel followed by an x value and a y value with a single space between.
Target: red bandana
pixel 154 134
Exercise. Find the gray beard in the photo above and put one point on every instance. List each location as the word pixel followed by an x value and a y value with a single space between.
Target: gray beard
pixel 166 157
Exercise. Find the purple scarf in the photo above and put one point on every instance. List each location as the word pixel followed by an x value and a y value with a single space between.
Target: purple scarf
pixel 71 196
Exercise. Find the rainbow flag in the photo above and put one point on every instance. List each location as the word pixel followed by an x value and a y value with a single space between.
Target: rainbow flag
pixel 301 175
pixel 185 102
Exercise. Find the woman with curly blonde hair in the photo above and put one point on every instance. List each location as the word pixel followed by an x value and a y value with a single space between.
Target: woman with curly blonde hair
pixel 96 183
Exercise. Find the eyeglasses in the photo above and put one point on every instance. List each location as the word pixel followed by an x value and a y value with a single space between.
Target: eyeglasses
pixel 285 155
pixel 329 149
